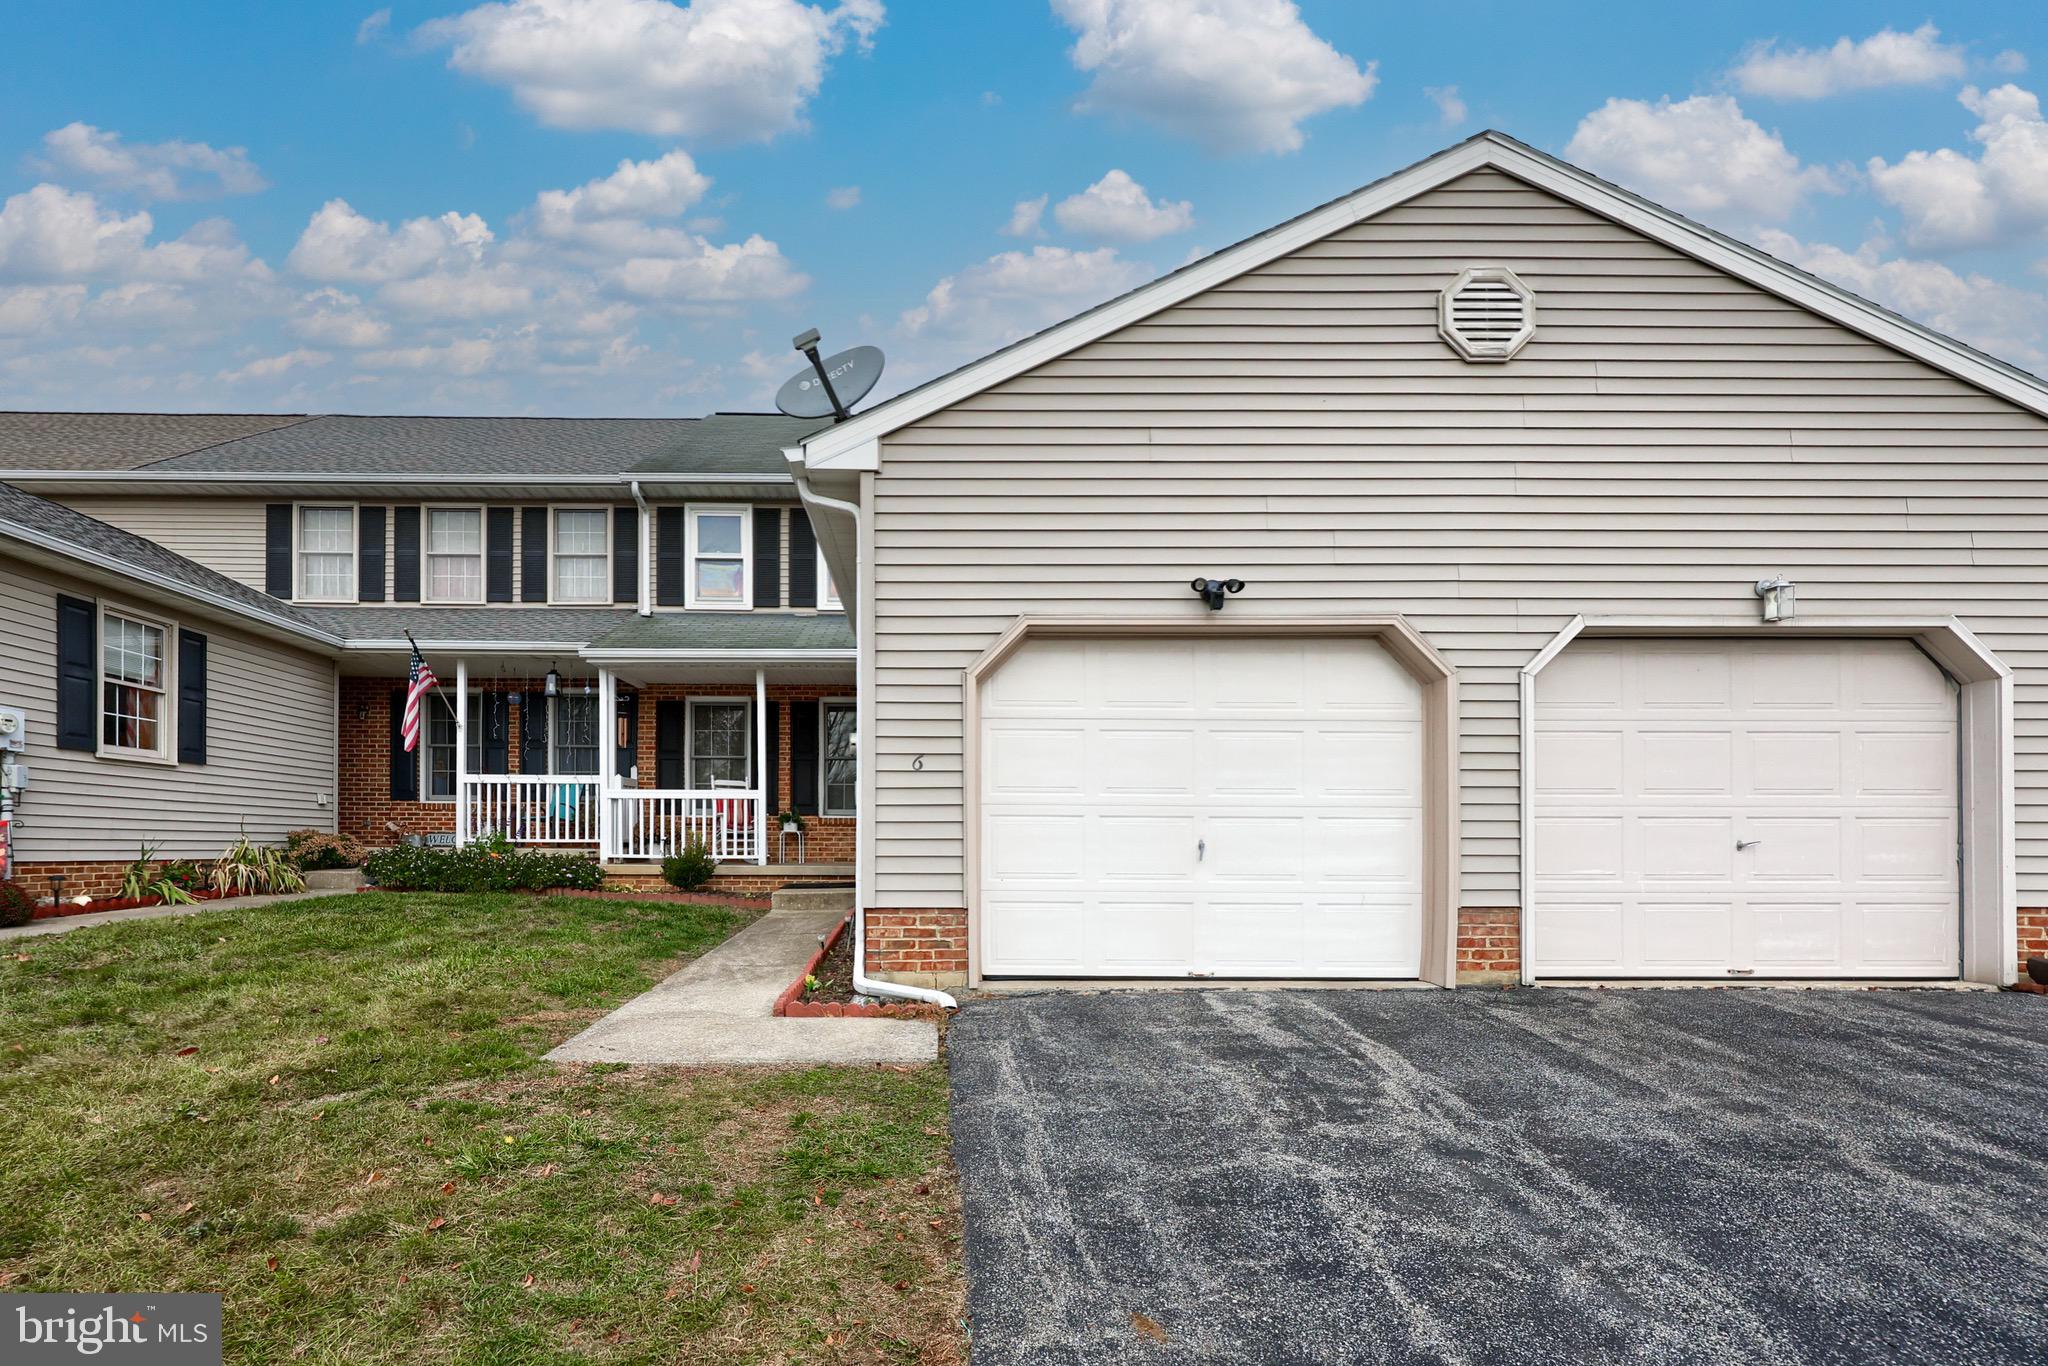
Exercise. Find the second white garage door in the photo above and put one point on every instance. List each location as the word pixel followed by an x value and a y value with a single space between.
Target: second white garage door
pixel 1230 808
pixel 1768 808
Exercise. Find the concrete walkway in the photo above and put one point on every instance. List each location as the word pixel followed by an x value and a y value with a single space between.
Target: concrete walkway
pixel 64 924
pixel 720 1011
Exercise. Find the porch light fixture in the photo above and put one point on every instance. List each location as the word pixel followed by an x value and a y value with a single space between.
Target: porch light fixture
pixel 1780 597
pixel 1212 590
pixel 552 684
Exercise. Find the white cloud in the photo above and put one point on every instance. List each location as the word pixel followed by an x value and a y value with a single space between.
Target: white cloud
pixel 1450 106
pixel 463 356
pixel 270 367
pixel 149 170
pixel 2009 63
pixel 51 233
pixel 374 26
pixel 333 317
pixel 1885 58
pixel 340 244
pixel 1949 199
pixel 1234 75
pixel 1699 155
pixel 1015 293
pixel 1117 209
pixel 29 309
pixel 1987 313
pixel 724 70
pixel 843 197
pixel 1025 217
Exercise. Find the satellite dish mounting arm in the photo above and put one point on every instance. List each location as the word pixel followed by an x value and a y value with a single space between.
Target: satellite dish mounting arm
pixel 808 344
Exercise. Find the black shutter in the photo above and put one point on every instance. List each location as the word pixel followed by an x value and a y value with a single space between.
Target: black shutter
pixel 370 554
pixel 405 769
pixel 803 561
pixel 671 715
pixel 497 554
pixel 78 676
pixel 191 698
pixel 496 739
pixel 405 554
pixel 533 555
pixel 625 555
pixel 277 549
pixel 628 753
pixel 803 758
pixel 533 732
pixel 668 556
pixel 767 557
pixel 768 763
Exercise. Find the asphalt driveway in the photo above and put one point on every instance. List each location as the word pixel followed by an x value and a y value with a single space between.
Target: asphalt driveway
pixel 1526 1176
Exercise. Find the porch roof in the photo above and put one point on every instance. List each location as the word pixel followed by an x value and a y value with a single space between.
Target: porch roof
pixel 726 632
pixel 525 628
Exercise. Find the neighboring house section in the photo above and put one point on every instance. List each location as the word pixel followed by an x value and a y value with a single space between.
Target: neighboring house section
pixel 1443 507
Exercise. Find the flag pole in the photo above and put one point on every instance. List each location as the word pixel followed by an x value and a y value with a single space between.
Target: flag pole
pixel 447 702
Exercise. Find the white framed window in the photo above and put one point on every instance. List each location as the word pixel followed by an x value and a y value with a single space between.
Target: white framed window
pixel 326 553
pixel 839 758
pixel 581 555
pixel 455 555
pixel 719 545
pixel 439 741
pixel 828 590
pixel 720 743
pixel 135 685
pixel 574 735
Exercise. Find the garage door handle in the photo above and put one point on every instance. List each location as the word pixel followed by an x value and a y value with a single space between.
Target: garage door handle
pixel 1201 850
pixel 1747 844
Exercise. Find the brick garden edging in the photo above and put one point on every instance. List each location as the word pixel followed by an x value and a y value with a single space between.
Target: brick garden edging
pixel 787 1004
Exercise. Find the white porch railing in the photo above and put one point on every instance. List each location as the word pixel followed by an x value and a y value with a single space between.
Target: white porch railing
pixel 537 810
pixel 651 823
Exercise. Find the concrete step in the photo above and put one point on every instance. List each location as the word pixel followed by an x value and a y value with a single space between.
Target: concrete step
pixel 812 899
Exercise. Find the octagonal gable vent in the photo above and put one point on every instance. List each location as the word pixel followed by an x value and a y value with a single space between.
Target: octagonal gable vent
pixel 1487 314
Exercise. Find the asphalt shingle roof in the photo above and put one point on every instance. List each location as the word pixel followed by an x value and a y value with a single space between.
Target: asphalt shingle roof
pixel 124 552
pixel 538 446
pixel 732 443
pixel 729 631
pixel 121 441
pixel 540 625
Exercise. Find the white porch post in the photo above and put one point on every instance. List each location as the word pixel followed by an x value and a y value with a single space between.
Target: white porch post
pixel 760 766
pixel 607 760
pixel 461 752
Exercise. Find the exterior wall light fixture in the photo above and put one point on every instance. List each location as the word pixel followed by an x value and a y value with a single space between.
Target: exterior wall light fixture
pixel 1212 590
pixel 1781 597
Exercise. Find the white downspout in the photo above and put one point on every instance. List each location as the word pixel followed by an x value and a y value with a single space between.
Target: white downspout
pixel 646 557
pixel 864 702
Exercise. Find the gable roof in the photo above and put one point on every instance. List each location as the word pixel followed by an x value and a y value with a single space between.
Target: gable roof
pixel 855 444
pixel 536 446
pixel 121 441
pixel 55 530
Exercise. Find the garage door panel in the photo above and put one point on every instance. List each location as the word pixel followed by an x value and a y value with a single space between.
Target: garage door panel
pixel 1839 781
pixel 1230 807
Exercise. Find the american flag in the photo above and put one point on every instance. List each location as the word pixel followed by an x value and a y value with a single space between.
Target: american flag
pixel 421 682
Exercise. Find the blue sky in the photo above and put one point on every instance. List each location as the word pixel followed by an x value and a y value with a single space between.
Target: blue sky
pixel 629 206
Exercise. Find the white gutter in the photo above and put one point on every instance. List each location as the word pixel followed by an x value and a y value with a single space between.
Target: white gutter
pixel 644 561
pixel 628 655
pixel 864 708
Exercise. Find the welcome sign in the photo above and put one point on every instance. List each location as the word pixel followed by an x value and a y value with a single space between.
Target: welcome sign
pixel 162 1330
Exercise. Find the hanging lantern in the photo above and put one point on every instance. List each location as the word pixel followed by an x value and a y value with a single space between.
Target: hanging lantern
pixel 553 684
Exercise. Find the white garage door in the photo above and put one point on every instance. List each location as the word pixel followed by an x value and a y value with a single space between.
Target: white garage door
pixel 1167 808
pixel 1712 808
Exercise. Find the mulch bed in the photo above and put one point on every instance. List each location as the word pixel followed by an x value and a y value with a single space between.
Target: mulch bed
pixel 115 903
pixel 833 997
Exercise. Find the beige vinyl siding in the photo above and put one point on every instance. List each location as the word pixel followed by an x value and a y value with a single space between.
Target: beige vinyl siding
pixel 224 534
pixel 1669 436
pixel 271 730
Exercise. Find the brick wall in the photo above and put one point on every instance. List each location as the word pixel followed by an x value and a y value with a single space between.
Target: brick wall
pixel 2033 934
pixel 95 880
pixel 918 948
pixel 1489 945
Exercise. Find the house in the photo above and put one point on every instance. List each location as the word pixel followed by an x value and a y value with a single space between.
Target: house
pixel 1504 461
pixel 209 618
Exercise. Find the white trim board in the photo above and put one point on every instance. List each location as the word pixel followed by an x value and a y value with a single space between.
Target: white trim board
pixel 856 444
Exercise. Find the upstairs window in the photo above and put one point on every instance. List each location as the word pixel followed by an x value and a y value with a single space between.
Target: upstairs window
pixel 327 554
pixel 132 687
pixel 455 555
pixel 582 555
pixel 720 545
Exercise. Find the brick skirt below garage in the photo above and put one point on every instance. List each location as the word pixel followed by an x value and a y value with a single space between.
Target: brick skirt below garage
pixel 1489 946
pixel 923 948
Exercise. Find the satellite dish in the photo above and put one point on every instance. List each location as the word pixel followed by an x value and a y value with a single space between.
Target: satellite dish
pixel 852 373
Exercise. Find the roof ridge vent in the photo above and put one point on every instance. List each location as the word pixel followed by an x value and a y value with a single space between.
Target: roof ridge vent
pixel 1487 314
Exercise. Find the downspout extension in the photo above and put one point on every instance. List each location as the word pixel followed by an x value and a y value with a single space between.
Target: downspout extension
pixel 646 549
pixel 862 983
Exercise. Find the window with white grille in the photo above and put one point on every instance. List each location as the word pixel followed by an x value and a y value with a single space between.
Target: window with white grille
pixel 1487 314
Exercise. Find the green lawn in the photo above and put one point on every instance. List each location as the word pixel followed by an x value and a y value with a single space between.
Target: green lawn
pixel 335 1113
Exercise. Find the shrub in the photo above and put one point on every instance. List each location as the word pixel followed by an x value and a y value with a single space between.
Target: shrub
pixel 144 879
pixel 17 904
pixel 184 875
pixel 690 870
pixel 480 868
pixel 244 868
pixel 313 850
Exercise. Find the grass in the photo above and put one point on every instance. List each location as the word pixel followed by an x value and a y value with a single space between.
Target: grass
pixel 334 1112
